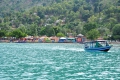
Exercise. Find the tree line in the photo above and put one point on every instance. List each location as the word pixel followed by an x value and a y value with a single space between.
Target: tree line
pixel 92 18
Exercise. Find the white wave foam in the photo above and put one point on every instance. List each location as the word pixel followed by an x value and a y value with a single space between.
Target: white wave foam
pixel 69 49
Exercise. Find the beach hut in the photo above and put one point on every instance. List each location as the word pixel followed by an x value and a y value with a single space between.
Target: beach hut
pixel 54 39
pixel 44 39
pixel 40 40
pixel 71 40
pixel 80 38
pixel 62 39
pixel 47 40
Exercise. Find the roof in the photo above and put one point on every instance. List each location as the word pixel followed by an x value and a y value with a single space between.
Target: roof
pixel 71 38
pixel 80 35
pixel 62 38
pixel 101 40
pixel 95 41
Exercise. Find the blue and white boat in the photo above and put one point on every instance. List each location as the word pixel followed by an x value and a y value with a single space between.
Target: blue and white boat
pixel 99 45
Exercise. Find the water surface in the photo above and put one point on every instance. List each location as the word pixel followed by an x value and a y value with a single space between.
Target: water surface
pixel 57 61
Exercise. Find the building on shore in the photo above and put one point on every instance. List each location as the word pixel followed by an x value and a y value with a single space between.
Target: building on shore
pixel 80 38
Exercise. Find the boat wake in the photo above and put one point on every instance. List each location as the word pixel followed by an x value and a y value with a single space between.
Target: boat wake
pixel 68 49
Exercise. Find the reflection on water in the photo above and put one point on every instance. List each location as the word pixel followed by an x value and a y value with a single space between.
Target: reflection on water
pixel 57 62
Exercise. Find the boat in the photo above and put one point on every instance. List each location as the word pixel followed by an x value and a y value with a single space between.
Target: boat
pixel 98 45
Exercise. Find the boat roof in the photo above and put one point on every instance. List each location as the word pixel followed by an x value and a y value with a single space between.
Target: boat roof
pixel 95 41
pixel 101 40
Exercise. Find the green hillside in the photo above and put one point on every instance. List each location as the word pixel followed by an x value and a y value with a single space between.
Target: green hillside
pixel 50 17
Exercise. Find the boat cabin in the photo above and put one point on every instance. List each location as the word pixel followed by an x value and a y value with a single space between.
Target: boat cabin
pixel 100 45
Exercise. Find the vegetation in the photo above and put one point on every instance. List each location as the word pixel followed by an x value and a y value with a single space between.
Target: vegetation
pixel 17 34
pixel 56 17
pixel 2 33
pixel 116 31
pixel 60 35
pixel 93 34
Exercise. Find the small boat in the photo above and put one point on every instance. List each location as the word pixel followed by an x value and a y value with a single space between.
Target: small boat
pixel 98 45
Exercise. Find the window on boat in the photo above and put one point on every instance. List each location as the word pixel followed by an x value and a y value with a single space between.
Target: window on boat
pixel 107 44
pixel 98 44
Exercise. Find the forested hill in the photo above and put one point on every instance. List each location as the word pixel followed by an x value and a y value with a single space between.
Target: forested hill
pixel 22 5
pixel 50 17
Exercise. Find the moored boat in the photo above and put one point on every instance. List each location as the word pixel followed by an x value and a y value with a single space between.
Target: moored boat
pixel 99 45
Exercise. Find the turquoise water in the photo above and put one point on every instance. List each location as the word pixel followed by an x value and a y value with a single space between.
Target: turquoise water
pixel 57 61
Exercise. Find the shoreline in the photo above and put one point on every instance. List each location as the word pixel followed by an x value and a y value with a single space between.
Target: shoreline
pixel 8 41
pixel 114 42
pixel 53 42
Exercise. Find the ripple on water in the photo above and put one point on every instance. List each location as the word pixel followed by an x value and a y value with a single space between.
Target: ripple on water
pixel 57 62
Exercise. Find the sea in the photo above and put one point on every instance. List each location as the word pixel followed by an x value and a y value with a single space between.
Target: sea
pixel 57 61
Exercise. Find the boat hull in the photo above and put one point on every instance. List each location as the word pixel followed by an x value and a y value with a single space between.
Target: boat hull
pixel 105 49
